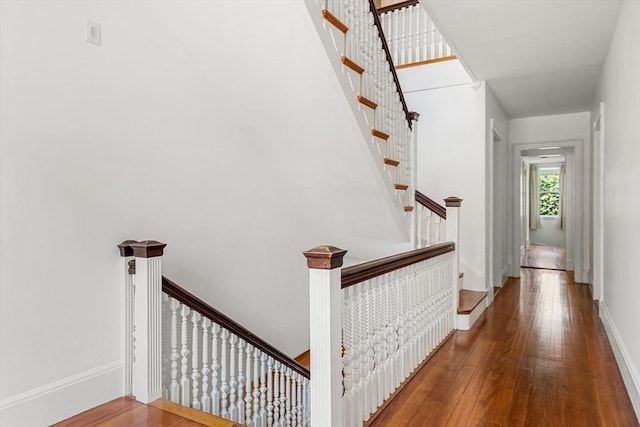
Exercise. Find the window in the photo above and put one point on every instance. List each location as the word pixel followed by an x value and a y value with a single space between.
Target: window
pixel 549 186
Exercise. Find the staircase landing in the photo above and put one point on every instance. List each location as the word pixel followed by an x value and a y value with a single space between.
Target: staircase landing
pixel 127 412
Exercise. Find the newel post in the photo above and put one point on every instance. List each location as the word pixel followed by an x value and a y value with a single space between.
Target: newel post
pixel 126 254
pixel 325 301
pixel 413 150
pixel 147 318
pixel 453 204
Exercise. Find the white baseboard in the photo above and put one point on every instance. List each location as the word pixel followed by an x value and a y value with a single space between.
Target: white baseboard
pixel 625 364
pixel 61 399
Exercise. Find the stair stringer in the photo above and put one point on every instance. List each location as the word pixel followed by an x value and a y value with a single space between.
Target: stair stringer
pixel 331 39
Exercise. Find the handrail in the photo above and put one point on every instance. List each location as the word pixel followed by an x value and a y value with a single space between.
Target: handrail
pixel 395 6
pixel 431 204
pixel 392 68
pixel 368 270
pixel 177 292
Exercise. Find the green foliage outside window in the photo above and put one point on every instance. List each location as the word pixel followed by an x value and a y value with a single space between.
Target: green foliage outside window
pixel 549 194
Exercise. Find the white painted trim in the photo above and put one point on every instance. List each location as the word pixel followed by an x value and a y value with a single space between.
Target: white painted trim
pixel 597 278
pixel 464 322
pixel 61 399
pixel 627 369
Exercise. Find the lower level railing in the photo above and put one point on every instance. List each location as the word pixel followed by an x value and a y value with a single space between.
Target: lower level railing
pixel 188 352
pixel 373 324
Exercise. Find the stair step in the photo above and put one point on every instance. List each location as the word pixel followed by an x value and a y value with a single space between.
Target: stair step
pixel 330 18
pixel 349 63
pixel 390 162
pixel 304 359
pixel 468 300
pixel 366 101
pixel 193 414
pixel 400 186
pixel 408 208
pixel 379 134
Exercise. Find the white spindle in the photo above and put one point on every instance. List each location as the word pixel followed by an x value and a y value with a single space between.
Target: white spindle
pixel 224 373
pixel 185 382
pixel 174 387
pixel 248 398
pixel 233 378
pixel 270 368
pixel 215 368
pixel 276 394
pixel 241 381
pixel 263 388
pixel 195 360
pixel 206 371
pixel 256 388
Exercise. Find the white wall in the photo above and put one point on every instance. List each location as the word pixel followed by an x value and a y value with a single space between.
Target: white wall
pixel 549 233
pixel 190 124
pixel 451 152
pixel 564 130
pixel 620 91
pixel 497 176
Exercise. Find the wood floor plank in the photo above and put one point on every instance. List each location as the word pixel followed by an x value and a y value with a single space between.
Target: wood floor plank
pixel 537 357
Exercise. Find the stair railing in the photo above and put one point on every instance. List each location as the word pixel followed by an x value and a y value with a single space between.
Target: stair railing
pixel 412 36
pixel 189 353
pixel 430 221
pixel 374 324
pixel 352 33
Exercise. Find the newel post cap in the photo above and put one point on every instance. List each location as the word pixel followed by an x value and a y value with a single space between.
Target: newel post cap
pixel 453 202
pixel 414 115
pixel 148 249
pixel 125 248
pixel 324 257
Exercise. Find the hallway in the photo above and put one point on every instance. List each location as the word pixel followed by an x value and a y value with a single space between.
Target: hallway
pixel 537 357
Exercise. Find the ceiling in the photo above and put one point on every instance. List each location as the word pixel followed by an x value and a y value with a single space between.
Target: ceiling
pixel 539 57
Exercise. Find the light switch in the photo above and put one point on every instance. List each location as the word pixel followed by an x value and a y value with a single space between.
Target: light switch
pixel 93 32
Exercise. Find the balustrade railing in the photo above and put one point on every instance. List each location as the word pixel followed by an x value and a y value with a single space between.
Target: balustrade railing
pixel 430 221
pixel 189 353
pixel 359 42
pixel 412 36
pixel 373 325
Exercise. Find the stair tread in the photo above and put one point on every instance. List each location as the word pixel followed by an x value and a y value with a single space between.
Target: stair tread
pixel 352 64
pixel 390 162
pixel 193 414
pixel 366 101
pixel 468 300
pixel 304 359
pixel 333 20
pixel 379 134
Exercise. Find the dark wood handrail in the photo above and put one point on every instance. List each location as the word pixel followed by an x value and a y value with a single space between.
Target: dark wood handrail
pixel 368 270
pixel 395 6
pixel 392 68
pixel 431 204
pixel 195 303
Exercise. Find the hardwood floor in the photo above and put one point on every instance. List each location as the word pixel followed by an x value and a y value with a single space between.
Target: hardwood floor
pixel 127 412
pixel 546 257
pixel 537 357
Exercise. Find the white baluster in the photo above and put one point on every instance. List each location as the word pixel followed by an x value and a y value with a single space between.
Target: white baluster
pixel 256 388
pixel 185 382
pixel 166 346
pixel 224 372
pixel 263 389
pixel 276 394
pixel 195 360
pixel 287 389
pixel 270 364
pixel 215 367
pixel 174 387
pixel 284 400
pixel 248 396
pixel 206 371
pixel 241 381
pixel 233 378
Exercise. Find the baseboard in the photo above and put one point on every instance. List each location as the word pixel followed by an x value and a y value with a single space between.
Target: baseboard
pixel 625 364
pixel 61 399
